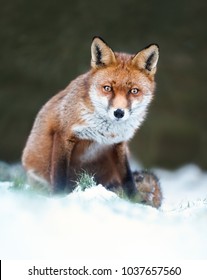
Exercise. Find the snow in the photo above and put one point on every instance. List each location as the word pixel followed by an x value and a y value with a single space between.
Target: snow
pixel 96 224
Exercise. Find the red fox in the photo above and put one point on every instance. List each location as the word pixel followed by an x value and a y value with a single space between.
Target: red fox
pixel 87 125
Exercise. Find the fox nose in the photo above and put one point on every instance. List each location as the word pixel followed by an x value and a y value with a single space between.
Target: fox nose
pixel 119 113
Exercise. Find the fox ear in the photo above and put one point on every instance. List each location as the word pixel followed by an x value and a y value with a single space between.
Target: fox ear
pixel 101 54
pixel 147 59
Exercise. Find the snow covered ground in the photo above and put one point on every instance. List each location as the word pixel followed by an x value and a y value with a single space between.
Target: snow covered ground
pixel 96 224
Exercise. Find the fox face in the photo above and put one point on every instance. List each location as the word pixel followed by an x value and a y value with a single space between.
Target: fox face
pixel 121 89
pixel 119 94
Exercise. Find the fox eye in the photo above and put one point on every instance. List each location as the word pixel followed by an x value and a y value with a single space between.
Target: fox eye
pixel 107 88
pixel 134 91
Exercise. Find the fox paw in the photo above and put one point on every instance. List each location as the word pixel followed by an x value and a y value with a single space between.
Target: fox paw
pixel 148 187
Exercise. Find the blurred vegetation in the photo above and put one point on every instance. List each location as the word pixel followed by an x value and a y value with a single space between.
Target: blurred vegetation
pixel 45 44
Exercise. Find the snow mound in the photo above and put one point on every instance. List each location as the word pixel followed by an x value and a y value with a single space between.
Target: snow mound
pixel 97 224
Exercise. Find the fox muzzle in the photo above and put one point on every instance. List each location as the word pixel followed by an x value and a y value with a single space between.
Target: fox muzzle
pixel 119 113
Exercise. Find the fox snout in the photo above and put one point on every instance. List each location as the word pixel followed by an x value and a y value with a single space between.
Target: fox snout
pixel 118 114
pixel 118 108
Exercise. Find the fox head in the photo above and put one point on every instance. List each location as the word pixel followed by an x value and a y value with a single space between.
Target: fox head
pixel 122 85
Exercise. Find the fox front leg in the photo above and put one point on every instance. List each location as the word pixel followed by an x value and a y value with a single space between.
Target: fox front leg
pixel 128 181
pixel 127 178
pixel 60 161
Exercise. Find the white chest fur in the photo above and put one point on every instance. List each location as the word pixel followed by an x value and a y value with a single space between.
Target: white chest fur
pixel 105 131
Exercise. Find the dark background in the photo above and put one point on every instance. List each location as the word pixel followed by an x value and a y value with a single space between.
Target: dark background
pixel 45 44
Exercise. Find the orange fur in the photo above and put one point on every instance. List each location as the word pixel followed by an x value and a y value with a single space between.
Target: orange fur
pixel 87 125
